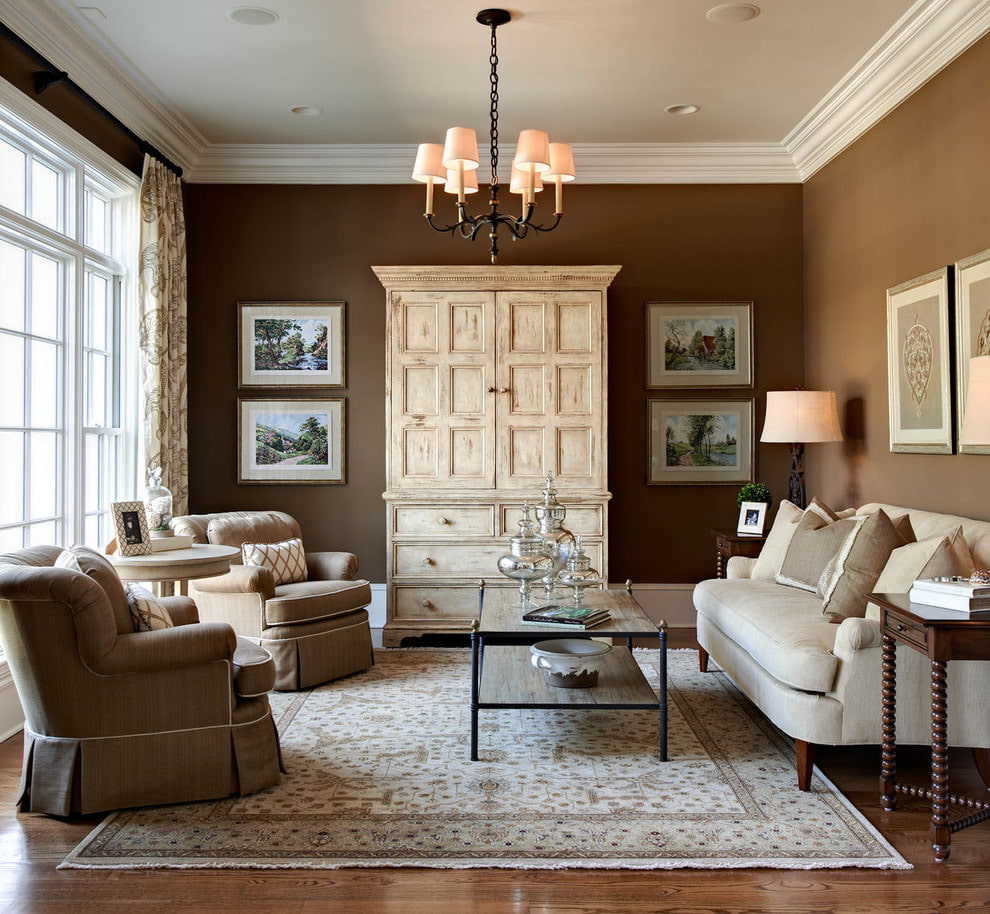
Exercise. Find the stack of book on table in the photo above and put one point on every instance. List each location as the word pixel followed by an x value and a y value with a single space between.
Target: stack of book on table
pixel 573 617
pixel 951 593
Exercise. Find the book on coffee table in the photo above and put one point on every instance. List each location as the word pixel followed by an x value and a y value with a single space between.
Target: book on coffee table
pixel 574 617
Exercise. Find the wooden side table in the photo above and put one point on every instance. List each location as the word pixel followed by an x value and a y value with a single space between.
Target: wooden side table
pixel 165 569
pixel 729 543
pixel 942 635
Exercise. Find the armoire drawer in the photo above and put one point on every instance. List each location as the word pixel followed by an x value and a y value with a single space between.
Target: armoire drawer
pixel 444 520
pixel 431 603
pixel 447 559
pixel 581 520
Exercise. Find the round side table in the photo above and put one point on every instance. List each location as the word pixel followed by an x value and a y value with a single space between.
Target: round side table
pixel 175 566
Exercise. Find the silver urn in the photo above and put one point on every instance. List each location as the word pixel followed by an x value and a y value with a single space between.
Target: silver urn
pixel 527 559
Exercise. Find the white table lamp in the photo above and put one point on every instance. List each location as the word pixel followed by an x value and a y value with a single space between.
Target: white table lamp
pixel 799 417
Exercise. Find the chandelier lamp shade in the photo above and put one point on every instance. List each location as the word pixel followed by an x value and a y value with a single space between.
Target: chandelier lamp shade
pixel 800 417
pixel 455 165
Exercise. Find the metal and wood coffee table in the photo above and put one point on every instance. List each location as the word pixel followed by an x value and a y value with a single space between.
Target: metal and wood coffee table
pixel 502 676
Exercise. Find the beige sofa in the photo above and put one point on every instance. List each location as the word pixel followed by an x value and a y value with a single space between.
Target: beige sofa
pixel 820 682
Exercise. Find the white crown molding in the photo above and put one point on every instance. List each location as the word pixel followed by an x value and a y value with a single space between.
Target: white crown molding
pixel 72 44
pixel 930 35
pixel 630 163
pixel 927 38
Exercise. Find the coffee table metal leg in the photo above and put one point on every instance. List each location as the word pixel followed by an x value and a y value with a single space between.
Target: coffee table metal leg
pixel 663 690
pixel 475 688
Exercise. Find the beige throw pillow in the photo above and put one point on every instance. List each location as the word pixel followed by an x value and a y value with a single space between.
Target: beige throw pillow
pixel 853 571
pixel 148 613
pixel 772 554
pixel 286 560
pixel 812 547
pixel 943 554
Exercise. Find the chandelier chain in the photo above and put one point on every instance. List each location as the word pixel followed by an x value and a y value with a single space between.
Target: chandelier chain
pixel 493 113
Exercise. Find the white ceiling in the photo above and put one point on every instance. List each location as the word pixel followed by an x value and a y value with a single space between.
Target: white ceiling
pixel 779 95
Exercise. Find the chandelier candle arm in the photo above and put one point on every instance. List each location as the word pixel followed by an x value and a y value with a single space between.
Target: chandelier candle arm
pixel 537 161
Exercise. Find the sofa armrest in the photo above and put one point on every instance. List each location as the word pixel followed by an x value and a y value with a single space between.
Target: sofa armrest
pixel 856 635
pixel 739 566
pixel 331 566
pixel 240 579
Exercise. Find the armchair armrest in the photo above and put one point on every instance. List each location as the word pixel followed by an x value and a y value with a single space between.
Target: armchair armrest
pixel 240 579
pixel 181 610
pixel 168 649
pixel 331 566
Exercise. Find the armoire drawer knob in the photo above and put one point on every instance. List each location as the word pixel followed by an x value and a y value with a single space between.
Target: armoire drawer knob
pixel 442 521
pixel 427 561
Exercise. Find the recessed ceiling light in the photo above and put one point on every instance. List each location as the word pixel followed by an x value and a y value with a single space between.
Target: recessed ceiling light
pixel 252 15
pixel 682 109
pixel 732 13
pixel 306 110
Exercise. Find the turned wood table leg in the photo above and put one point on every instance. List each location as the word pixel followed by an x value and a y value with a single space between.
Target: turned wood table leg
pixel 888 746
pixel 941 836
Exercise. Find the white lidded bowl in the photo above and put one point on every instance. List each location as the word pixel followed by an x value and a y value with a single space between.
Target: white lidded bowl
pixel 569 662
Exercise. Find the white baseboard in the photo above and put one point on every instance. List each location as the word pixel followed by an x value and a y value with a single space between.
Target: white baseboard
pixel 376 610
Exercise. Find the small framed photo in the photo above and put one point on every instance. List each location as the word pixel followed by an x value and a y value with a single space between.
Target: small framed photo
pixel 699 344
pixel 291 441
pixel 290 344
pixel 972 330
pixel 919 372
pixel 700 442
pixel 131 524
pixel 752 517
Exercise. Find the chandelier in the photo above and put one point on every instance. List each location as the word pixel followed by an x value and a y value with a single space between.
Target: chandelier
pixel 454 166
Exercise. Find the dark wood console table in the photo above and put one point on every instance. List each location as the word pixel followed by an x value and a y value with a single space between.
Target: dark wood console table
pixel 942 635
pixel 729 543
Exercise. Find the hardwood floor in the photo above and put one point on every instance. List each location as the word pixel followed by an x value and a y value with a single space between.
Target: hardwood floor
pixel 31 847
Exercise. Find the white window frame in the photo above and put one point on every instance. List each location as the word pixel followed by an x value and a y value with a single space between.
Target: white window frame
pixel 85 167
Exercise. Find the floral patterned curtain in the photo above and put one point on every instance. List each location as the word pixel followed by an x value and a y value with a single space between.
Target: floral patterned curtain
pixel 162 290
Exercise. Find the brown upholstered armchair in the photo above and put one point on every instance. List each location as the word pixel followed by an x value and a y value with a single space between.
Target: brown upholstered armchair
pixel 118 717
pixel 316 626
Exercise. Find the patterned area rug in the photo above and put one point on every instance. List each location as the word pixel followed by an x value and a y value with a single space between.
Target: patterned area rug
pixel 379 775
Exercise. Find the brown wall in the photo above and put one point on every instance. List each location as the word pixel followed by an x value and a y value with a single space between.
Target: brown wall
pixel 285 243
pixel 911 196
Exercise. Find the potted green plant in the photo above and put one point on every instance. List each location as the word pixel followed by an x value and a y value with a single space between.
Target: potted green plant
pixel 754 491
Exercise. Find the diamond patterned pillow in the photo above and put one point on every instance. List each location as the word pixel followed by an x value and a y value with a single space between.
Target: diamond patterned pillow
pixel 147 613
pixel 286 560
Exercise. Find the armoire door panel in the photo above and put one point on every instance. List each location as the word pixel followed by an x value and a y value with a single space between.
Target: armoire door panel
pixel 527 390
pixel 575 384
pixel 526 455
pixel 420 327
pixel 526 328
pixel 468 394
pixel 467 328
pixel 575 453
pixel 420 453
pixel 421 390
pixel 576 327
pixel 468 455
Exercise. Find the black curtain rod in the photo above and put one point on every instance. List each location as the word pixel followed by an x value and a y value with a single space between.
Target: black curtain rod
pixel 51 75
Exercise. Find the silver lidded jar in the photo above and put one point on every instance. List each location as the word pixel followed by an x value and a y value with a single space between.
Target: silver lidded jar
pixel 559 541
pixel 527 559
pixel 579 574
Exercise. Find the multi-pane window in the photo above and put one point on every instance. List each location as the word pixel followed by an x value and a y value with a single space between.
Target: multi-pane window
pixel 67 385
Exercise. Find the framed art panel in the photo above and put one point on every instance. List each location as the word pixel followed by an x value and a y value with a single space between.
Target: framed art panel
pixel 919 379
pixel 290 344
pixel 290 441
pixel 699 344
pixel 752 518
pixel 131 524
pixel 972 330
pixel 706 442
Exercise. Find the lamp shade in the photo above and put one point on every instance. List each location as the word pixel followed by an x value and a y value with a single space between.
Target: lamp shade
pixel 429 164
pixel 461 148
pixel 801 416
pixel 533 149
pixel 519 182
pixel 976 420
pixel 561 163
pixel 470 182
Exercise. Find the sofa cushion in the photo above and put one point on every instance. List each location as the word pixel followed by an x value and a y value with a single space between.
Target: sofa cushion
pixel 781 628
pixel 854 569
pixel 98 567
pixel 943 554
pixel 148 613
pixel 286 560
pixel 772 554
pixel 308 601
pixel 814 543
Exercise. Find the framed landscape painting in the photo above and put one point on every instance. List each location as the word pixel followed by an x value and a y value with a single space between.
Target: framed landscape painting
pixel 919 374
pixel 706 442
pixel 291 441
pixel 972 329
pixel 290 344
pixel 699 344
